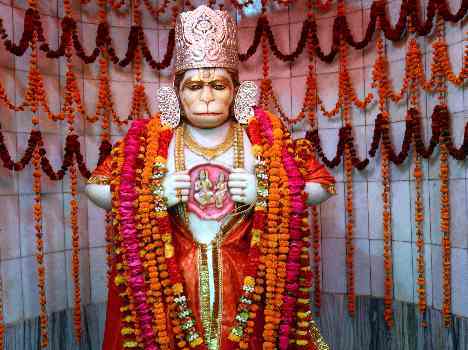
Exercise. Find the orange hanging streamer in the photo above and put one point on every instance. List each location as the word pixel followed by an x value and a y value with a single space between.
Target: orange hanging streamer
pixel 445 230
pixel 441 87
pixel 75 253
pixel 346 98
pixel 37 206
pixel 316 239
pixel 37 209
pixel 381 82
pixel 2 321
pixel 419 218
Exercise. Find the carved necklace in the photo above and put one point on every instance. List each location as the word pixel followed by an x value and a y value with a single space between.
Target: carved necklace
pixel 209 152
pixel 234 137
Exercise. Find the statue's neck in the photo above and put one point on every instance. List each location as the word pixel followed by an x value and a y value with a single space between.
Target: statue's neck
pixel 209 137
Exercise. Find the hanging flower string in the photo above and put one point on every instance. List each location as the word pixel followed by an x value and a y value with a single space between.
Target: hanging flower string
pixel 378 11
pixel 105 111
pixel 419 218
pixel 2 320
pixel 37 209
pixel 346 96
pixel 382 84
pixel 75 253
pixel 445 230
pixel 441 88
pixel 75 259
pixel 37 206
pixel 105 107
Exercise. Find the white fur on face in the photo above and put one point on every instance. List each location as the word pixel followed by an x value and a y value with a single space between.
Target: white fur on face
pixel 206 95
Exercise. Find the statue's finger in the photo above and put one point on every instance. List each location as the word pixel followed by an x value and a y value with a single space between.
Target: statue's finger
pixel 237 191
pixel 238 198
pixel 181 177
pixel 182 184
pixel 238 176
pixel 237 184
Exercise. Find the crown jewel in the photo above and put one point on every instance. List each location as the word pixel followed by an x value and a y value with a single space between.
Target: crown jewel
pixel 205 38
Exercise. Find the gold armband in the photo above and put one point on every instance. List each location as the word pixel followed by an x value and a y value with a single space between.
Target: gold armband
pixel 98 180
pixel 330 188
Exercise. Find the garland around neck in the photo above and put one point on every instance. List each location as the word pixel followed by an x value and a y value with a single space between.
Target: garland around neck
pixel 279 216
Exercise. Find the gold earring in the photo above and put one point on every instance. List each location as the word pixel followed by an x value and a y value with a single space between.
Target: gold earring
pixel 245 101
pixel 169 107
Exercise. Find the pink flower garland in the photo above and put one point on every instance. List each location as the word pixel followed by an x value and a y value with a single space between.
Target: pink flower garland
pixel 136 279
pixel 128 195
pixel 296 187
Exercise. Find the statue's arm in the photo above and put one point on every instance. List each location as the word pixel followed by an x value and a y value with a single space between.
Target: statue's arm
pixel 98 187
pixel 320 184
pixel 100 195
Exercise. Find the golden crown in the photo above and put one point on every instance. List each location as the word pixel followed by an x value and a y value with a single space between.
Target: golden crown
pixel 205 38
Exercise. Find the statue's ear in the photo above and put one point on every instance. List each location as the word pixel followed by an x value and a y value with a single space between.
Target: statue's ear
pixel 245 101
pixel 169 107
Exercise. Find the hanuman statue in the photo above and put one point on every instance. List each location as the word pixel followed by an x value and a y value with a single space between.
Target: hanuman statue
pixel 209 206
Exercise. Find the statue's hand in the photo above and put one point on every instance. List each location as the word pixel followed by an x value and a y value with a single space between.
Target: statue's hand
pixel 176 187
pixel 242 186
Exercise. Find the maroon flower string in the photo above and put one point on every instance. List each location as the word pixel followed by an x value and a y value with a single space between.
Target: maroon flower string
pixel 408 11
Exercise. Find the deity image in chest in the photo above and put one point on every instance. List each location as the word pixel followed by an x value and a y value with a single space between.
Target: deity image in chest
pixel 209 205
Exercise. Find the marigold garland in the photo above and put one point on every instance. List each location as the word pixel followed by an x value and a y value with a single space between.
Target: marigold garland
pixel 151 240
pixel 288 252
pixel 346 98
pixel 36 95
pixel 2 320
pixel 419 218
pixel 408 11
pixel 387 233
pixel 273 287
pixel 109 245
pixel 304 152
pixel 384 90
pixel 135 277
pixel 37 209
pixel 445 230
pixel 350 277
pixel 316 240
pixel 254 285
pixel 156 11
pixel 75 253
pixel 441 78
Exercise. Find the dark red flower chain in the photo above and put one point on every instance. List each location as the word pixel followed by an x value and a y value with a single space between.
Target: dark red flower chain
pixel 409 11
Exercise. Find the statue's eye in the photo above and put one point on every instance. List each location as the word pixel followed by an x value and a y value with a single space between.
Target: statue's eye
pixel 194 86
pixel 218 86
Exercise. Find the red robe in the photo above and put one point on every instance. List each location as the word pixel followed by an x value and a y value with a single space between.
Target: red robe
pixel 234 249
